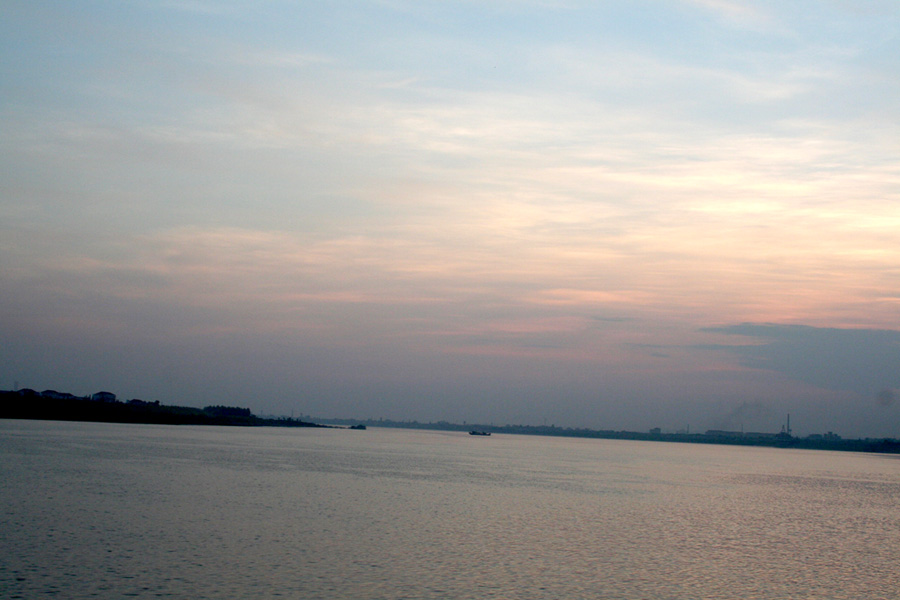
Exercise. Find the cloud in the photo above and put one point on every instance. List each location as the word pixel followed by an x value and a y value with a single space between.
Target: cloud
pixel 864 361
pixel 591 184
pixel 739 13
pixel 202 7
pixel 886 397
pixel 583 297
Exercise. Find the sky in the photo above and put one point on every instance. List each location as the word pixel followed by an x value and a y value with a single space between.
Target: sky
pixel 614 215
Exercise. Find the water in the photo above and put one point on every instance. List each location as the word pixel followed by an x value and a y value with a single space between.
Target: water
pixel 110 511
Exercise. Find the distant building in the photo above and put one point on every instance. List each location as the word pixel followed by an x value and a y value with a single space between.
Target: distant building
pixel 655 431
pixel 723 433
pixel 54 395
pixel 760 435
pixel 830 436
pixel 104 397
pixel 139 402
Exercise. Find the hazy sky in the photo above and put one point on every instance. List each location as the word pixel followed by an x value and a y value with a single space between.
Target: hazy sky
pixel 601 214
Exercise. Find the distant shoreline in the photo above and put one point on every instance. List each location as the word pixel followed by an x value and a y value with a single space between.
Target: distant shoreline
pixel 104 408
pixel 879 445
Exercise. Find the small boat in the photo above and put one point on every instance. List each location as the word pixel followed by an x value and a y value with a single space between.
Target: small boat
pixel 475 432
pixel 360 426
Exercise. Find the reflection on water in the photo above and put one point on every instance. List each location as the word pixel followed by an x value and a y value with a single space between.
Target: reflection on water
pixel 100 510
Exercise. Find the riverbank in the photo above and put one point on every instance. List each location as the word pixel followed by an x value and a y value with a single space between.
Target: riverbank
pixel 104 408
pixel 782 440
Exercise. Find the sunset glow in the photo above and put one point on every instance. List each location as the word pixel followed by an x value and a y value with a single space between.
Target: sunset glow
pixel 509 211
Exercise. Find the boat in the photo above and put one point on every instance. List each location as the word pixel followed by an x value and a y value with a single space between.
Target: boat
pixel 476 432
pixel 360 426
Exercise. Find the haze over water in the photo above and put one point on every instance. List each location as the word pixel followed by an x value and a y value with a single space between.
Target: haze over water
pixel 106 510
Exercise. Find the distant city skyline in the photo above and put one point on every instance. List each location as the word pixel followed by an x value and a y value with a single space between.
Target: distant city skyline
pixel 616 215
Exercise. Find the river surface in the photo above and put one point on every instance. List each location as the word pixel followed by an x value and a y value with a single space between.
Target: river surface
pixel 94 510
